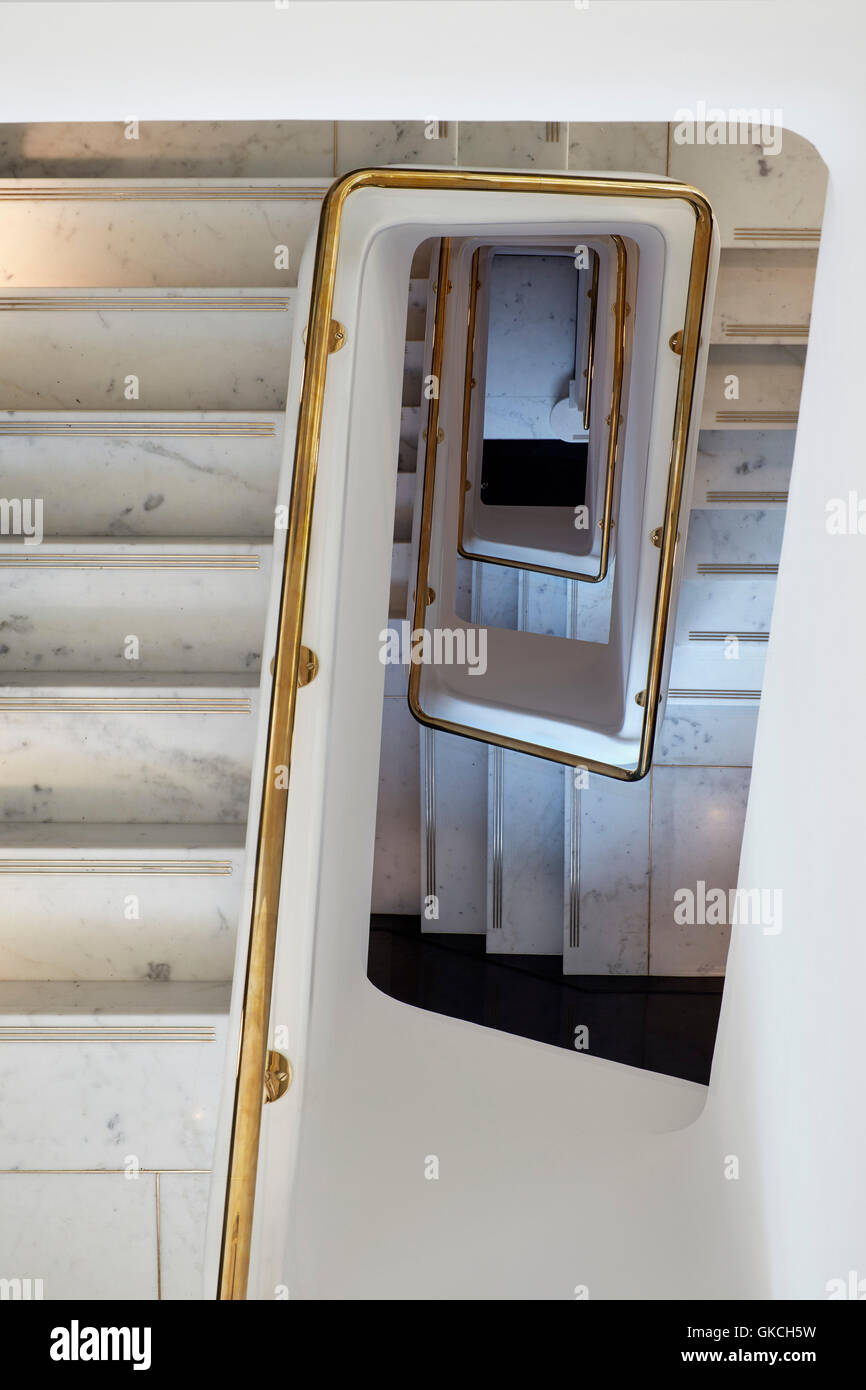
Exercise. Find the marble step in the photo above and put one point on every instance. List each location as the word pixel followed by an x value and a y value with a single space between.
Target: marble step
pixel 743 468
pixel 411 425
pixel 413 365
pixel 734 544
pixel 118 902
pixel 133 1071
pixel 715 733
pixel 102 749
pixel 766 188
pixel 768 384
pixel 401 580
pixel 526 852
pixel 764 296
pixel 740 607
pixel 190 349
pixel 158 232
pixel 138 473
pixel 403 513
pixel 416 316
pixel 606 876
pixel 96 606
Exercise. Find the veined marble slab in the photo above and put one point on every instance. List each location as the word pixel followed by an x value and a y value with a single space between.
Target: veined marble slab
pixel 743 468
pixel 84 1235
pixel 513 145
pixel 396 869
pixel 525 855
pixel 141 473
pixel 156 232
pixel 618 146
pixel 365 144
pixel 132 606
pixel 768 381
pixel 717 734
pixel 139 750
pixel 133 1072
pixel 760 199
pixel 177 350
pixel 183 1207
pixel 764 296
pixel 697 831
pixel 727 606
pixel 168 149
pixel 731 543
pixel 607 872
pixel 122 905
pixel 453 832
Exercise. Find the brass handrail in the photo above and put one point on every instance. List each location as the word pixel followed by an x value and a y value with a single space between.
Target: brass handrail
pixel 261 951
pixel 590 341
pixel 614 421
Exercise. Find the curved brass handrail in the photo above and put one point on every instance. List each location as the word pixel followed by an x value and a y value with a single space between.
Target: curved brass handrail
pixel 590 342
pixel 261 948
pixel 614 421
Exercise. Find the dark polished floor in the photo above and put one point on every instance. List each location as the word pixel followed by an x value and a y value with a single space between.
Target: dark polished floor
pixel 664 1024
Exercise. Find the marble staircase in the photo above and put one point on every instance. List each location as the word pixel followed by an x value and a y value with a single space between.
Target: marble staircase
pixel 147 337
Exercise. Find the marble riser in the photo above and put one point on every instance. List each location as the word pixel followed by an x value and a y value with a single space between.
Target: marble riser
pixel 81 619
pixel 122 925
pixel 721 733
pixel 724 605
pixel 637 846
pixel 770 380
pixel 530 914
pixel 396 864
pixel 606 873
pixel 749 467
pixel 733 538
pixel 132 1081
pixel 767 292
pixel 416 316
pixel 176 242
pixel 125 761
pixel 704 666
pixel 410 436
pixel 184 359
pixel 153 483
pixel 459 833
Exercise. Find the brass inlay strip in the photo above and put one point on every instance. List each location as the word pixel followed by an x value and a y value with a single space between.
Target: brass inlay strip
pixel 723 636
pixel 258 980
pixel 614 421
pixel 107 704
pixel 120 304
pixel 777 233
pixel 766 330
pixel 38 560
pixel 85 1033
pixel 175 867
pixel 96 429
pixel 708 567
pixel 714 695
pixel 159 193
pixel 590 341
pixel 757 417
pixel 751 498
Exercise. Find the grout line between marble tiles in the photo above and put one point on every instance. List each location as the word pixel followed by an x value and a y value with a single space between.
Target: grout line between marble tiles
pixel 158 1251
